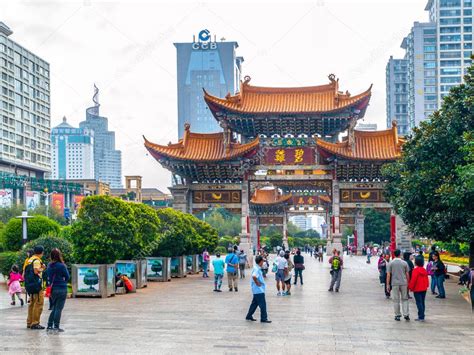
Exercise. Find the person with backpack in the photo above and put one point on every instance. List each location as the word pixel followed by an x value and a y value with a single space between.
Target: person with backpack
pixel 34 288
pixel 439 271
pixel 58 277
pixel 205 263
pixel 336 271
pixel 14 287
pixel 280 268
pixel 232 261
pixel 243 263
pixel 419 284
pixel 397 280
pixel 298 260
pixel 288 275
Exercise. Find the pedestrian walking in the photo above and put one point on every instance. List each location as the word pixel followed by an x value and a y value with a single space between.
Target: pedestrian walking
pixel 288 275
pixel 320 254
pixel 439 272
pixel 205 263
pixel 58 277
pixel 430 271
pixel 265 265
pixel 298 260
pixel 232 261
pixel 369 254
pixel 218 265
pixel 336 270
pixel 281 270
pixel 385 259
pixel 398 277
pixel 419 284
pixel 257 284
pixel 243 263
pixel 14 287
pixel 34 287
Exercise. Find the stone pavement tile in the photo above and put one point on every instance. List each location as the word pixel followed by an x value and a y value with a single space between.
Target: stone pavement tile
pixel 185 316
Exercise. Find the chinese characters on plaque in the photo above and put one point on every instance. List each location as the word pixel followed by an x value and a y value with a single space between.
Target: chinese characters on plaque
pixel 289 156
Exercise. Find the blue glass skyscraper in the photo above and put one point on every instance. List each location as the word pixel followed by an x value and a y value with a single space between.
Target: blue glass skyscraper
pixel 107 160
pixel 206 64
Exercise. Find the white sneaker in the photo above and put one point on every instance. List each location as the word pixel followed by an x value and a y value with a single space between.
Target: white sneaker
pixel 279 294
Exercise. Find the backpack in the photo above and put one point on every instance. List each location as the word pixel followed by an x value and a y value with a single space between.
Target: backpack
pixel 336 263
pixel 33 282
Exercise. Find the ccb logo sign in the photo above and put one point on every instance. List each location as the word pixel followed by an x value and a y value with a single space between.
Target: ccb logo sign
pixel 204 35
pixel 204 41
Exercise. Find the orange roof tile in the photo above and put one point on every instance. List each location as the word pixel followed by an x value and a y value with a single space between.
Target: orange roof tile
pixel 312 99
pixel 201 147
pixel 378 145
pixel 268 196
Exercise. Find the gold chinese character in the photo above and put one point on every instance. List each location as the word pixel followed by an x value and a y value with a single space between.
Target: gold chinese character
pixel 301 201
pixel 299 155
pixel 280 156
pixel 310 201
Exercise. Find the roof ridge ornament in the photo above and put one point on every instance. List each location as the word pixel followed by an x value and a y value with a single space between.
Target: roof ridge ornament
pixel 247 79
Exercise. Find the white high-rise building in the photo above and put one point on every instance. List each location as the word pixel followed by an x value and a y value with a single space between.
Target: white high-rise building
pixel 453 19
pixel 72 152
pixel 25 145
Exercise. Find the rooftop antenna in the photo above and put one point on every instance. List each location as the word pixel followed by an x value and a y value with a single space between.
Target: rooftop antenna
pixel 95 98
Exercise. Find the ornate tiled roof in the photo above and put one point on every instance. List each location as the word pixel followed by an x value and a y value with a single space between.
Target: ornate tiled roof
pixel 367 145
pixel 313 99
pixel 201 147
pixel 268 196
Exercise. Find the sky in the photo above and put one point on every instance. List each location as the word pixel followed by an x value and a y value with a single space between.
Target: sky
pixel 126 49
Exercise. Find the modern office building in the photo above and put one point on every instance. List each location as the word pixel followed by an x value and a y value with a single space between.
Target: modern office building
pixel 25 141
pixel 72 154
pixel 396 77
pixel 303 222
pixel 107 160
pixel 209 65
pixel 453 21
pixel 420 54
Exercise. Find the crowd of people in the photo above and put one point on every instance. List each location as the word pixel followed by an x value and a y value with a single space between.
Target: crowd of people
pixel 399 274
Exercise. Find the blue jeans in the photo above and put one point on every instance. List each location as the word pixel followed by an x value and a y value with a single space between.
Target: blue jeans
pixel 258 301
pixel 204 269
pixel 58 299
pixel 433 283
pixel 420 303
pixel 218 281
pixel 300 273
pixel 440 284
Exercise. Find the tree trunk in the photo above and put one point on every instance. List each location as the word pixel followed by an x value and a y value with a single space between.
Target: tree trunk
pixel 471 254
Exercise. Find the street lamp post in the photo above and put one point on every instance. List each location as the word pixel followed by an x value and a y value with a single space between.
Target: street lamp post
pixel 24 224
pixel 47 194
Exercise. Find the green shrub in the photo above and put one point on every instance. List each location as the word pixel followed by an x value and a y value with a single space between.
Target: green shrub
pixel 7 259
pixel 49 243
pixel 220 250
pixel 105 231
pixel 37 226
pixel 176 233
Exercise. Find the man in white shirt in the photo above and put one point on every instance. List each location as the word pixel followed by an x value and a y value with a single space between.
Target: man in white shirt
pixel 282 271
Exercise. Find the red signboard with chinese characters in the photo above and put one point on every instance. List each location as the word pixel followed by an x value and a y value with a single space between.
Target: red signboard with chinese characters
pixel 77 201
pixel 58 202
pixel 289 156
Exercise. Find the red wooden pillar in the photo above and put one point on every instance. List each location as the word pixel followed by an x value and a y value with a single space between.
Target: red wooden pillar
pixel 393 234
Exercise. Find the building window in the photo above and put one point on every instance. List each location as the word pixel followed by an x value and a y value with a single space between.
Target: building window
pixel 450 3
pixel 450 46
pixel 445 55
pixel 456 29
pixel 447 13
pixel 450 38
pixel 450 71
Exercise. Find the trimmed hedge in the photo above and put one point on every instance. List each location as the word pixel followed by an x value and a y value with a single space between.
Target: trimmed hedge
pixel 7 260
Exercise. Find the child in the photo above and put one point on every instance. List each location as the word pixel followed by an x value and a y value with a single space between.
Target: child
pixel 419 284
pixel 14 287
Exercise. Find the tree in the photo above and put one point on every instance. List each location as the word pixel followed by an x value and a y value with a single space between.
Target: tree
pixel 223 221
pixel 49 242
pixel 208 234
pixel 376 226
pixel 37 226
pixel 147 234
pixel 105 231
pixel 431 186
pixel 175 232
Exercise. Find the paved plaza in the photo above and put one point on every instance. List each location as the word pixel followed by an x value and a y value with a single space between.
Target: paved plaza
pixel 185 316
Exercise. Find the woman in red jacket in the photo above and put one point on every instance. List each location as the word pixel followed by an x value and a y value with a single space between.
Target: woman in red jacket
pixel 419 284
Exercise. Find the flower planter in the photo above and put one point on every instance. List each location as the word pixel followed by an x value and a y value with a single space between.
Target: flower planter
pixel 196 266
pixel 178 266
pixel 158 269
pixel 91 280
pixel 111 280
pixel 142 269
pixel 200 262
pixel 132 269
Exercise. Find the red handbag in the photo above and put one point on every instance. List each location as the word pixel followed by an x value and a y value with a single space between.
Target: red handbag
pixel 47 292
